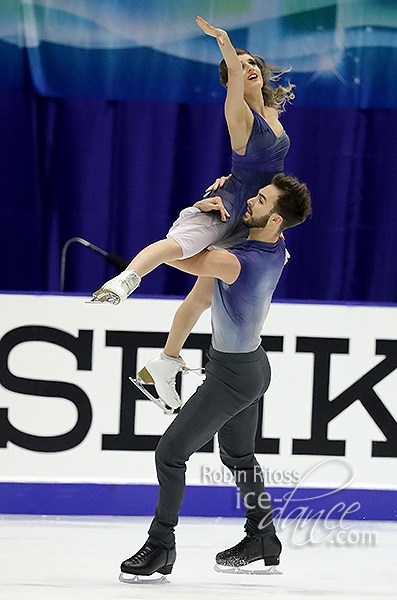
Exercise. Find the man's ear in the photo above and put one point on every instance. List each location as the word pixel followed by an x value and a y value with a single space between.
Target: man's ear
pixel 277 219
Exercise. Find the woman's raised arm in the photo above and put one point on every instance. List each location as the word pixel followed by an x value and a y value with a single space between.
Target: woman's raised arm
pixel 238 115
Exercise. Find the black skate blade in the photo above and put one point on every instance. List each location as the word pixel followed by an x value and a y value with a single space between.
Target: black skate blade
pixel 243 571
pixel 157 401
pixel 154 579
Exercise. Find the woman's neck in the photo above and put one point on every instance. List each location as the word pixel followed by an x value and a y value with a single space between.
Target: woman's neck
pixel 256 103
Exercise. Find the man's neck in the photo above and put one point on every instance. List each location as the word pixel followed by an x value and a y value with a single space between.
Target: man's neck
pixel 263 235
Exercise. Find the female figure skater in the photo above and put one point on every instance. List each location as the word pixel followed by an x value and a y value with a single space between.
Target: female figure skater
pixel 259 145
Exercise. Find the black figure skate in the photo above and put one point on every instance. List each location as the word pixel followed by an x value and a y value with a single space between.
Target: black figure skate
pixel 147 561
pixel 250 549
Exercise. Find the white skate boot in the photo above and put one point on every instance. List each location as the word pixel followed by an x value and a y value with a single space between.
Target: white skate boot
pixel 116 290
pixel 162 372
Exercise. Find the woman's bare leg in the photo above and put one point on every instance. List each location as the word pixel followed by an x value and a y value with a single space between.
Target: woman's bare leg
pixel 154 255
pixel 120 287
pixel 197 301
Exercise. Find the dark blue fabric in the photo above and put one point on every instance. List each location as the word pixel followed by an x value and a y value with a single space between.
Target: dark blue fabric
pixel 264 156
pixel 118 173
pixel 348 158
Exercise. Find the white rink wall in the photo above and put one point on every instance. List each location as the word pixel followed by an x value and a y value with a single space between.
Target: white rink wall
pixel 69 415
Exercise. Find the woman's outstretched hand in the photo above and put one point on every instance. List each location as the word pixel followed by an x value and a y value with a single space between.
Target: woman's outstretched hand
pixel 219 34
pixel 213 203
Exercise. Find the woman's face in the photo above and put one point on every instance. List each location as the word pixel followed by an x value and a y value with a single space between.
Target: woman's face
pixel 252 73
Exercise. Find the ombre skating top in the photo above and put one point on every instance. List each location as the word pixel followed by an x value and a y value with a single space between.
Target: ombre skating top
pixel 239 310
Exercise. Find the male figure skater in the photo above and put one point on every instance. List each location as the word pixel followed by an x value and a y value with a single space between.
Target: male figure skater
pixel 237 376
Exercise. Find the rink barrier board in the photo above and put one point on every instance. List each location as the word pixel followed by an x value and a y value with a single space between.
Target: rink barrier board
pixel 70 362
pixel 200 501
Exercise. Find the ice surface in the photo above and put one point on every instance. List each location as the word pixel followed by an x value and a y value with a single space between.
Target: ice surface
pixel 79 557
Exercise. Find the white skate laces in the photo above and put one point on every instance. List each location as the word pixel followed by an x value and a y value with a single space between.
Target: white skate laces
pixel 116 290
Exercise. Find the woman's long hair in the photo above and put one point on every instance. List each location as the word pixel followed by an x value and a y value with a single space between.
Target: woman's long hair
pixel 273 96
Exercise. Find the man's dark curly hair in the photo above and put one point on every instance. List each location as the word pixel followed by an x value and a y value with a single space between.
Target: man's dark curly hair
pixel 294 203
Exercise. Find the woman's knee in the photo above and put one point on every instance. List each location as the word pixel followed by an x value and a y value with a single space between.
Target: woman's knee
pixel 201 294
pixel 204 302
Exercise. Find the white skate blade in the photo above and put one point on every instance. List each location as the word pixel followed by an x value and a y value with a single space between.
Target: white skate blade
pixel 242 571
pixel 137 579
pixel 157 401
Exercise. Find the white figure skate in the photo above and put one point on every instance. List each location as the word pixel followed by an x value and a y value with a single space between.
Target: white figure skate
pixel 161 372
pixel 116 290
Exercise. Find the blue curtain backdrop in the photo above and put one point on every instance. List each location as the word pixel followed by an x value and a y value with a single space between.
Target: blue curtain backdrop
pixel 112 122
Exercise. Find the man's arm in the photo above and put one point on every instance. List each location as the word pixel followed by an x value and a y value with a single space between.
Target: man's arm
pixel 221 264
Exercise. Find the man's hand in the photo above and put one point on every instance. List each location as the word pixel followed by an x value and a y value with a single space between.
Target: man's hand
pixel 213 203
